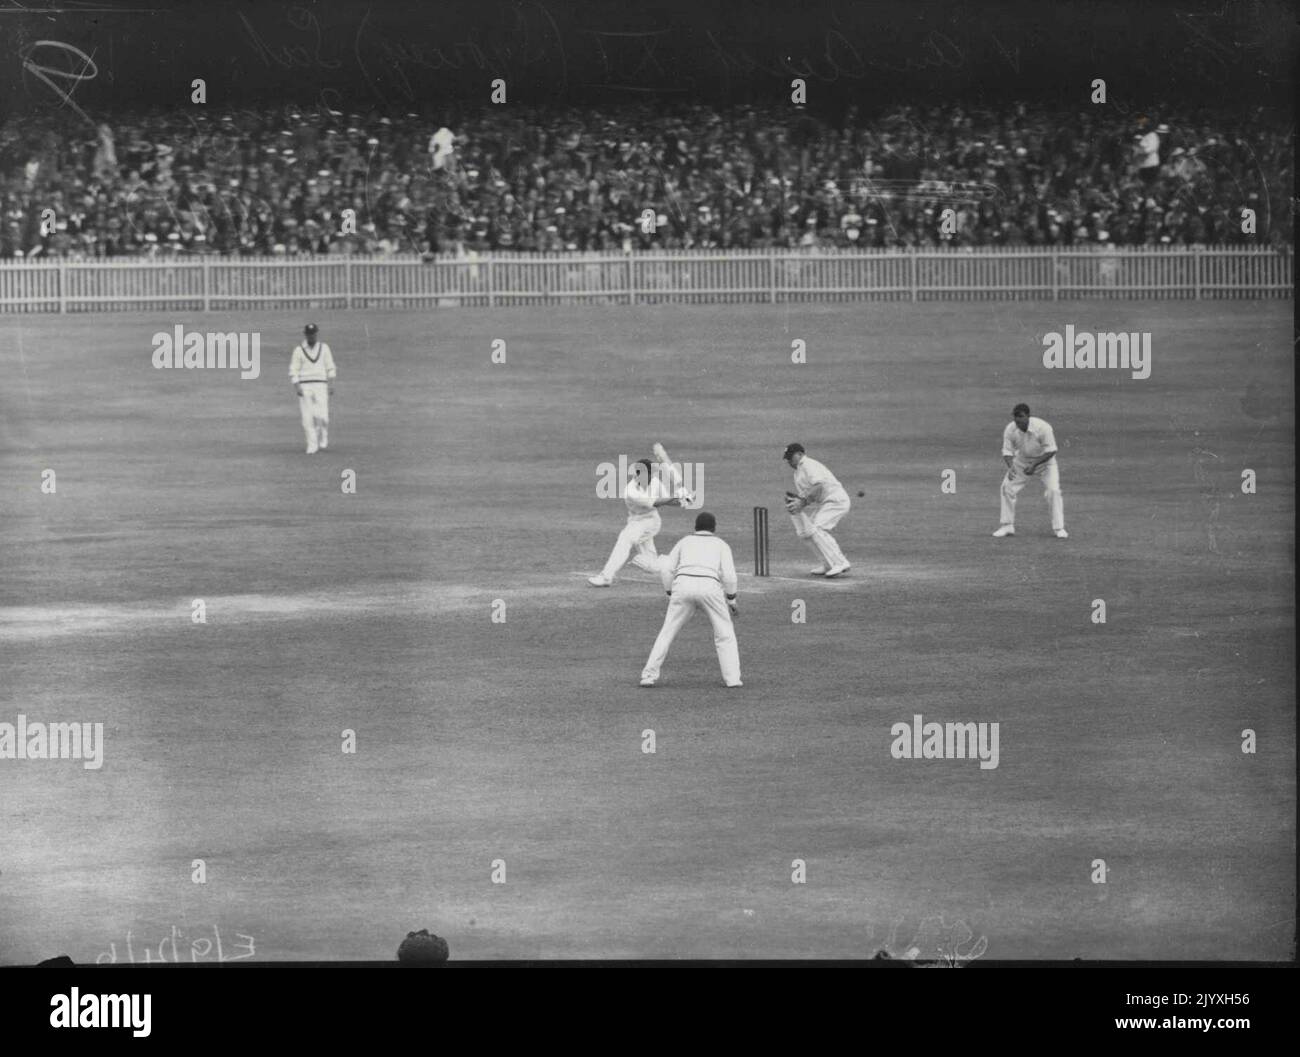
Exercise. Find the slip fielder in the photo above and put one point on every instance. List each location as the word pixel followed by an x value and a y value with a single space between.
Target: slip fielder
pixel 825 501
pixel 1028 444
pixel 699 573
pixel 643 494
pixel 312 371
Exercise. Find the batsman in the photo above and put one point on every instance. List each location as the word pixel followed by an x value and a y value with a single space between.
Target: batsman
pixel 648 490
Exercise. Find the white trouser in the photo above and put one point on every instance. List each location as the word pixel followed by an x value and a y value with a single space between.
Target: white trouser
pixel 813 525
pixel 639 535
pixel 315 406
pixel 689 594
pixel 1016 479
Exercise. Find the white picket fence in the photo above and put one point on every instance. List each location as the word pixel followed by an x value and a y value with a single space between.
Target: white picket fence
pixel 684 276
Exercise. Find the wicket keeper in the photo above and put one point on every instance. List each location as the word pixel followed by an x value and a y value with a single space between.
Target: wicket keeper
pixel 818 503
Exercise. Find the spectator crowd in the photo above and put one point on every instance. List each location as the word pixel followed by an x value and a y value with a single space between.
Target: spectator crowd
pixel 318 181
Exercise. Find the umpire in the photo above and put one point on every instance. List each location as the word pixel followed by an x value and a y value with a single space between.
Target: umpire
pixel 699 573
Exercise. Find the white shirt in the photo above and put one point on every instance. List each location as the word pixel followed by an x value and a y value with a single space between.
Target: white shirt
pixel 700 554
pixel 442 141
pixel 312 364
pixel 641 500
pixel 441 145
pixel 1149 149
pixel 809 474
pixel 1027 445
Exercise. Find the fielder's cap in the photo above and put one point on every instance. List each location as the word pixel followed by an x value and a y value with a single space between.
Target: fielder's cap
pixel 790 449
pixel 310 328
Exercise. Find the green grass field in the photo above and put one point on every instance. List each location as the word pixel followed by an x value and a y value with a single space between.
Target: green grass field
pixel 521 741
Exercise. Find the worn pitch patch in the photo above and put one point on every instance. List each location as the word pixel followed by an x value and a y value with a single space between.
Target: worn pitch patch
pixel 751 584
pixel 24 623
pixel 27 623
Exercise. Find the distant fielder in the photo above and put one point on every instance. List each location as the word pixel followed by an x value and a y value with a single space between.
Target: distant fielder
pixel 312 371
pixel 644 494
pixel 699 573
pixel 1028 444
pixel 815 507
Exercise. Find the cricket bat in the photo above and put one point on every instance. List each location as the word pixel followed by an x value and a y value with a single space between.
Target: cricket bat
pixel 674 475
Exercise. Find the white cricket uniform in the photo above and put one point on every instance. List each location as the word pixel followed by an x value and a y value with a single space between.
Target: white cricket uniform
pixel 814 522
pixel 314 369
pixel 639 533
pixel 441 145
pixel 700 574
pixel 1024 446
